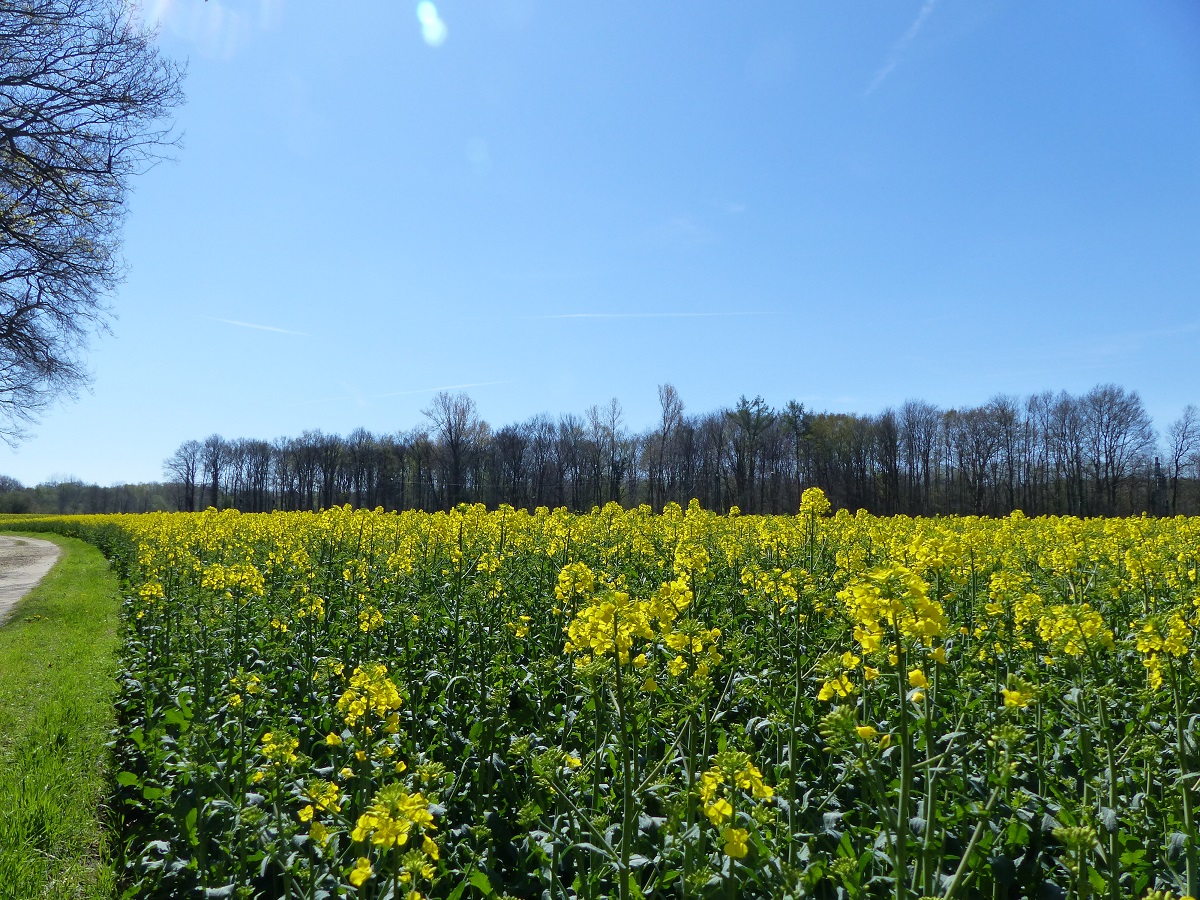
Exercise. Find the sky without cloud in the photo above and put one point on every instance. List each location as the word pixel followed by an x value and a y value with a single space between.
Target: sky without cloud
pixel 550 204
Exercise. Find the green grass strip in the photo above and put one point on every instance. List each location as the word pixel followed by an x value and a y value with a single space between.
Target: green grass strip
pixel 57 661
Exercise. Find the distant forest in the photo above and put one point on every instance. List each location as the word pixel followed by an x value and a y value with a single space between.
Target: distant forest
pixel 62 496
pixel 1093 454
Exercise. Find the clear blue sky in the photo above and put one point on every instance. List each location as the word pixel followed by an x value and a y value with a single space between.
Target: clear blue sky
pixel 556 203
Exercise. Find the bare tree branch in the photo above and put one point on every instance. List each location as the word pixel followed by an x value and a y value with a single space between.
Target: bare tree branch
pixel 83 98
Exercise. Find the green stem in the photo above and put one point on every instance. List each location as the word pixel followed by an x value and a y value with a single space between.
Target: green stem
pixel 627 824
pixel 1114 862
pixel 927 861
pixel 960 874
pixel 1181 749
pixel 900 870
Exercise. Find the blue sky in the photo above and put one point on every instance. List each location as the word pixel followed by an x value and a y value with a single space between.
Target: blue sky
pixel 555 203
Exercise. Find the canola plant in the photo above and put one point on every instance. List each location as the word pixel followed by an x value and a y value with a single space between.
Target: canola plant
pixel 628 704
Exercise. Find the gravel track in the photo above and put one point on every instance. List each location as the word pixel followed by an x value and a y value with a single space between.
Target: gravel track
pixel 23 563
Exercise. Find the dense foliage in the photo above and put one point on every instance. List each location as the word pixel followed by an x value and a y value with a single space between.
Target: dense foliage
pixel 626 704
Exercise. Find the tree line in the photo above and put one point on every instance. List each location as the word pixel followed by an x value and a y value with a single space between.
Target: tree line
pixel 1096 453
pixel 70 496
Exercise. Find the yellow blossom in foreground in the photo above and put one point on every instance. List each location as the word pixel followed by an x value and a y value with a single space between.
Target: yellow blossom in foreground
pixel 391 817
pixel 1016 699
pixel 718 811
pixel 429 847
pixel 735 842
pixel 280 748
pixel 319 834
pixel 836 687
pixel 370 690
pixel 361 872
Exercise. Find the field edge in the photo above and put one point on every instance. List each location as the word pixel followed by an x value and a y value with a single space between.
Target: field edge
pixel 58 658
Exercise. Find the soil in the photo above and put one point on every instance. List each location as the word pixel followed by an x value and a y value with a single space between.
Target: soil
pixel 23 563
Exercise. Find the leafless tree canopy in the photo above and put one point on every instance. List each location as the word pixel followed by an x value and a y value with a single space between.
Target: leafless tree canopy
pixel 83 98
pixel 1089 454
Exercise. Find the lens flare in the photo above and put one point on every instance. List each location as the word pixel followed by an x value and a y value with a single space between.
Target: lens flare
pixel 433 29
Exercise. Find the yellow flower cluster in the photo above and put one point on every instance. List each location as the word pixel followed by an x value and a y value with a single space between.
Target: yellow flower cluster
pixel 775 584
pixel 241 578
pixel 813 502
pixel 575 582
pixel 611 620
pixel 893 600
pixel 279 748
pixel 322 796
pixel 369 618
pixel 391 817
pixel 1171 636
pixel 731 776
pixel 1075 629
pixel 370 690
pixel 1019 693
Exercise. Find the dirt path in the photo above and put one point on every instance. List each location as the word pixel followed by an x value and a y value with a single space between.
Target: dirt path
pixel 23 563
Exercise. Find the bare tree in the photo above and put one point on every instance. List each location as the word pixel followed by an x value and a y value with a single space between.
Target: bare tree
pixel 918 437
pixel 455 419
pixel 619 453
pixel 329 456
pixel 83 93
pixel 1118 431
pixel 974 439
pixel 671 414
pixel 568 441
pixel 795 420
pixel 887 442
pixel 750 420
pixel 184 469
pixel 214 462
pixel 1183 436
pixel 511 445
pixel 1064 424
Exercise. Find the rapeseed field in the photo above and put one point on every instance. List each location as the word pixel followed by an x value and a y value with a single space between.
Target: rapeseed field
pixel 629 704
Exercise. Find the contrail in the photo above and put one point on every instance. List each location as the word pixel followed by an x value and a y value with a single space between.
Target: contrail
pixel 259 327
pixel 651 315
pixel 897 48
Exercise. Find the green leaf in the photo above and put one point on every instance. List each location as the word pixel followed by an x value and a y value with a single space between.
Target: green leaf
pixel 152 793
pixel 1132 858
pixel 189 823
pixel 177 717
pixel 480 882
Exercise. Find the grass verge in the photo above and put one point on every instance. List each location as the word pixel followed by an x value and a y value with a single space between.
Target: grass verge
pixel 57 660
